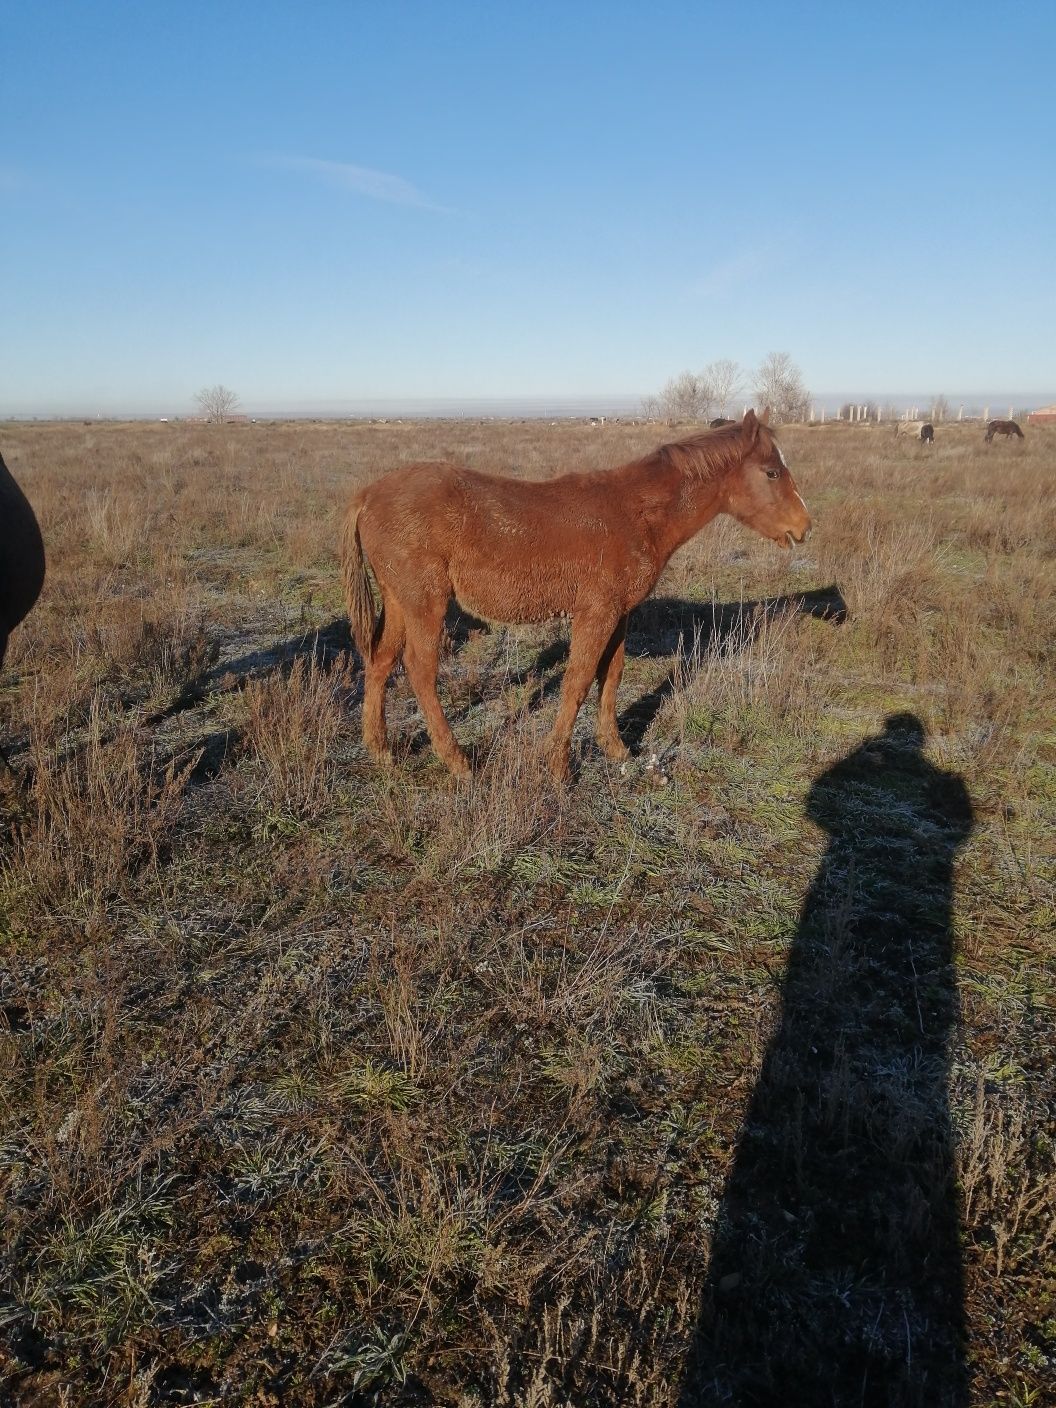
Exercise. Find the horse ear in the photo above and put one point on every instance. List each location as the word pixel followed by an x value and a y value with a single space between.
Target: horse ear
pixel 750 427
pixel 764 419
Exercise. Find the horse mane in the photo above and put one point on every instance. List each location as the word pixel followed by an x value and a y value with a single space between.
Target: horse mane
pixel 709 454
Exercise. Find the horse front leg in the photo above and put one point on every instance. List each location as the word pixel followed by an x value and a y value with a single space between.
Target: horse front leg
pixel 610 668
pixel 590 636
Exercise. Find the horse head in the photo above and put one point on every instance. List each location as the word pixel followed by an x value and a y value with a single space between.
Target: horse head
pixel 760 492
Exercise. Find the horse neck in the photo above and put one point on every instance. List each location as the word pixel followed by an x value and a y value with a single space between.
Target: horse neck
pixel 676 504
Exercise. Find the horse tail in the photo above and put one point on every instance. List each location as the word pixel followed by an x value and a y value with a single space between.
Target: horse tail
pixel 363 616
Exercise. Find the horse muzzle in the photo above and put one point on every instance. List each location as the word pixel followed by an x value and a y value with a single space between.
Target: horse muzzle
pixel 790 539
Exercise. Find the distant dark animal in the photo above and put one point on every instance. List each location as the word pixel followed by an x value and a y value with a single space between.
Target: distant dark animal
pixel 21 560
pixel 1002 427
pixel 927 433
pixel 720 421
pixel 589 546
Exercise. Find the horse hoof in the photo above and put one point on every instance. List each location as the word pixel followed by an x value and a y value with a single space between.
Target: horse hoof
pixel 615 749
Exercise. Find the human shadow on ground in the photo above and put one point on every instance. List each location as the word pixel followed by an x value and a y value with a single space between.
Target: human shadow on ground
pixel 835 1272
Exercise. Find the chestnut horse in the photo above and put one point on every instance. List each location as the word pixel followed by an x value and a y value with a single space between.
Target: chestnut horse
pixel 1002 427
pixel 588 546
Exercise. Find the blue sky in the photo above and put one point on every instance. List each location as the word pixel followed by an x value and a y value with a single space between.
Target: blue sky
pixel 329 202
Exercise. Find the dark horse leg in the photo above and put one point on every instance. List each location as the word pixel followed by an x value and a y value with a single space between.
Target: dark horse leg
pixel 610 668
pixel 6 768
pixel 590 636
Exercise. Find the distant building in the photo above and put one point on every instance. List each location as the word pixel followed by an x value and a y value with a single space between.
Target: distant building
pixel 1045 416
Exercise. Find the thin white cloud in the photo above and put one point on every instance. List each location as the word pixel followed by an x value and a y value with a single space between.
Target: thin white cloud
pixel 363 180
pixel 739 269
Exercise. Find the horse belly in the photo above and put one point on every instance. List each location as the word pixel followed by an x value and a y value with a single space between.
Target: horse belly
pixel 515 594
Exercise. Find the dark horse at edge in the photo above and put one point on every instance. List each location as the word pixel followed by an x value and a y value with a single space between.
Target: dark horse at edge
pixel 1006 428
pixel 21 562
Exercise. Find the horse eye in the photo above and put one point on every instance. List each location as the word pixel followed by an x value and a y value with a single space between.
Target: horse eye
pixel 773 474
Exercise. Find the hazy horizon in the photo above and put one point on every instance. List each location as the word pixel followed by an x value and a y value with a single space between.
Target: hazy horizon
pixel 530 407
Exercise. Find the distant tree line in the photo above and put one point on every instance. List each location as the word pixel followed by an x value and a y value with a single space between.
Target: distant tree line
pixel 705 395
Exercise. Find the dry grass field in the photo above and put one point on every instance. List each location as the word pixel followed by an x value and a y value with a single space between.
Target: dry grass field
pixel 726 1077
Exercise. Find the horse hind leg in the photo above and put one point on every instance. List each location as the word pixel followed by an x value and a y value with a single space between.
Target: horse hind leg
pixel 421 660
pixel 376 672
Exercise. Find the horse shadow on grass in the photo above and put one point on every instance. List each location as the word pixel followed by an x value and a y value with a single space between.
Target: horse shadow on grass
pixel 691 630
pixel 661 627
pixel 326 645
pixel 835 1272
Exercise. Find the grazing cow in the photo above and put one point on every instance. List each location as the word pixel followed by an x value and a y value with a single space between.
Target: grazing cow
pixel 720 421
pixel 1006 428
pixel 21 561
pixel 927 433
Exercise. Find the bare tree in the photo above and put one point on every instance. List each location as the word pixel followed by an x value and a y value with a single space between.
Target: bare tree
pixel 779 385
pixel 688 396
pixel 940 408
pixel 725 378
pixel 216 403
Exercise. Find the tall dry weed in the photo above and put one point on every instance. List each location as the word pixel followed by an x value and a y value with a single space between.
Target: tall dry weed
pixel 97 809
pixel 472 828
pixel 292 725
pixel 766 669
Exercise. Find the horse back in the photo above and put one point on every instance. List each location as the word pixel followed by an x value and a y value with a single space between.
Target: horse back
pixel 452 508
pixel 509 549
